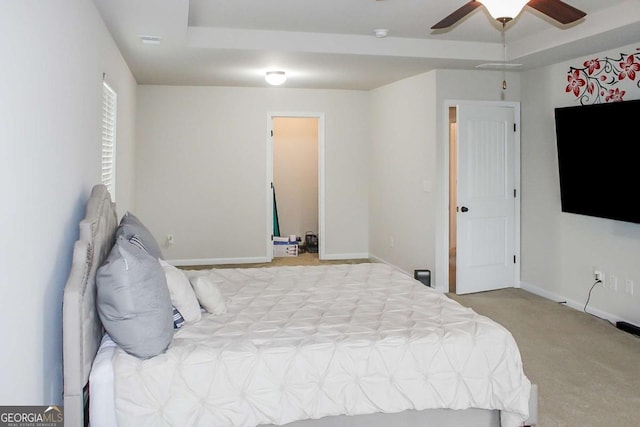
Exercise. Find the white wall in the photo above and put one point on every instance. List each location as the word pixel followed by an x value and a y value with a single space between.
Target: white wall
pixel 408 145
pixel 54 54
pixel 202 165
pixel 402 157
pixel 559 249
pixel 295 173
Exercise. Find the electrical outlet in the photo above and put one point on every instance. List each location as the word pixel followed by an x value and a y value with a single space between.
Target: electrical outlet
pixel 391 242
pixel 628 286
pixel 170 239
pixel 598 275
pixel 612 283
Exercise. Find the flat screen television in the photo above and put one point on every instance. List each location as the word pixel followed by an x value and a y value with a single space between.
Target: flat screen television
pixel 599 159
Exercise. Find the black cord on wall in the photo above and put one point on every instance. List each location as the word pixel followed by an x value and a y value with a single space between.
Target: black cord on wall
pixel 587 303
pixel 589 297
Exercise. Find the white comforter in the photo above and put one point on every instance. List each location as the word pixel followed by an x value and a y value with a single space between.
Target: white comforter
pixel 308 342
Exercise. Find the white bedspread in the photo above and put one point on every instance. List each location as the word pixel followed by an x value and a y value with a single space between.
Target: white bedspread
pixel 307 342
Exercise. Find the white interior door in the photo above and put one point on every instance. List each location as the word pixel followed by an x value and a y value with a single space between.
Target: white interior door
pixel 486 204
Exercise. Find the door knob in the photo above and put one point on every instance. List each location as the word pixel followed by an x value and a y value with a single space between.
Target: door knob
pixel 464 209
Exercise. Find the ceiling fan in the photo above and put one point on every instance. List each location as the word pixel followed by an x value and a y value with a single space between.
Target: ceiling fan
pixel 505 10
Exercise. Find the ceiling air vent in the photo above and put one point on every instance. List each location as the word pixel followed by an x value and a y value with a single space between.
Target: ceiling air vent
pixel 150 39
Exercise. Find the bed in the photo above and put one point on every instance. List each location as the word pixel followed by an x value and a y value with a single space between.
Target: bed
pixel 340 345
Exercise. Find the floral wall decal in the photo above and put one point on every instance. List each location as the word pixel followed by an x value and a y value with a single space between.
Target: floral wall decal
pixel 604 79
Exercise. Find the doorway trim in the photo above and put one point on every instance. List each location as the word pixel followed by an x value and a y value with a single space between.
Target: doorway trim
pixel 442 223
pixel 321 178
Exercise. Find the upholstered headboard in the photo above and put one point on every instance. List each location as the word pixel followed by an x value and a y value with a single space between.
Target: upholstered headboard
pixel 82 330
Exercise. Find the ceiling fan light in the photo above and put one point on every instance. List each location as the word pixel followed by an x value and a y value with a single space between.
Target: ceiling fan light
pixel 275 78
pixel 504 9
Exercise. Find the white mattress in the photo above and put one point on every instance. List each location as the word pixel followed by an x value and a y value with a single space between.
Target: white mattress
pixel 101 379
pixel 308 342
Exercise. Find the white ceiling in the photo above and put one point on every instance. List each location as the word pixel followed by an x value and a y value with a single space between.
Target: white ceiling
pixel 331 44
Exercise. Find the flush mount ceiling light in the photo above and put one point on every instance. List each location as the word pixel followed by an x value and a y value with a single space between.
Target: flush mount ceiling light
pixel 504 10
pixel 275 78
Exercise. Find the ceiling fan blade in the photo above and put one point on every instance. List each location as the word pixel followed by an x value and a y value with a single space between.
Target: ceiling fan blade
pixel 457 15
pixel 558 10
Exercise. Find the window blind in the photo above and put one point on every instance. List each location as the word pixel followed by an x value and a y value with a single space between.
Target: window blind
pixel 109 116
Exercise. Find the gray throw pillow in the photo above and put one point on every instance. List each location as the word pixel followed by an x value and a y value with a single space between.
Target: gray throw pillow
pixel 133 300
pixel 130 225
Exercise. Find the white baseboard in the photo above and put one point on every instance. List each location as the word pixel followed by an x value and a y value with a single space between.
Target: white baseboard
pixel 375 258
pixel 332 257
pixel 577 305
pixel 216 261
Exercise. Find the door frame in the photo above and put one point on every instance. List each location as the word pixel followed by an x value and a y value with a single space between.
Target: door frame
pixel 321 178
pixel 442 229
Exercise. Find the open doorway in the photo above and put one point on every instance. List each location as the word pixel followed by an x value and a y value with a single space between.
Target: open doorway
pixel 453 196
pixel 296 169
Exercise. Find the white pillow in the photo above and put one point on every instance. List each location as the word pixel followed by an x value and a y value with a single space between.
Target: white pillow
pixel 209 295
pixel 182 296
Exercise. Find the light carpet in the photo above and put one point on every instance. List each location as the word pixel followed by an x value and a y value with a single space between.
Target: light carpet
pixel 587 371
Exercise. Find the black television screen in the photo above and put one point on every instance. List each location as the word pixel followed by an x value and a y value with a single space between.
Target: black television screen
pixel 598 159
